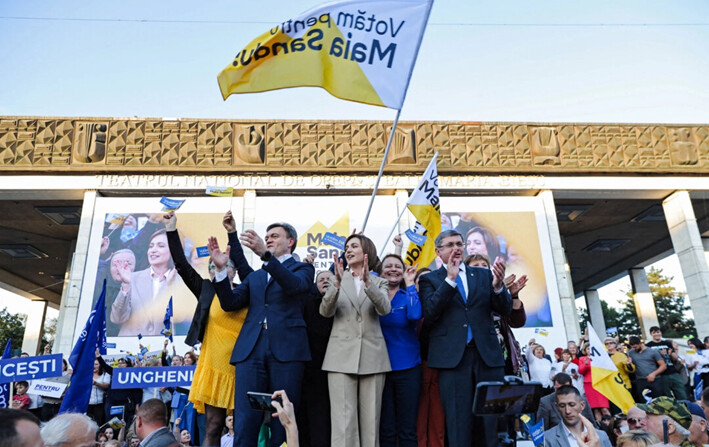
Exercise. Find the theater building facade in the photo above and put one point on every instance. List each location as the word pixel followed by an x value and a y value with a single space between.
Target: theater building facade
pixel 572 205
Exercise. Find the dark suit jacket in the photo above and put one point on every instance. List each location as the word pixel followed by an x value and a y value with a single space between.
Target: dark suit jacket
pixel 556 437
pixel 547 410
pixel 200 287
pixel 450 317
pixel 280 300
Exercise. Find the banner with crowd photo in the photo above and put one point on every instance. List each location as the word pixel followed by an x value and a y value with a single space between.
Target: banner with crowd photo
pixel 515 229
pixel 128 247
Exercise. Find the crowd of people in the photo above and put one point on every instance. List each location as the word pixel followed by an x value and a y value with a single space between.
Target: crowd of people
pixel 372 352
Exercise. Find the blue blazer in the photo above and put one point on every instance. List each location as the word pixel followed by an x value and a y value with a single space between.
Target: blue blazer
pixel 450 317
pixel 280 301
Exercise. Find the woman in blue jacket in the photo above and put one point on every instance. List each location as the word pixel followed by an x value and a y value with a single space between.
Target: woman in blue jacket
pixel 400 401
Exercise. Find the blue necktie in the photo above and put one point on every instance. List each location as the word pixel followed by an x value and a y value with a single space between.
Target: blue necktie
pixel 461 289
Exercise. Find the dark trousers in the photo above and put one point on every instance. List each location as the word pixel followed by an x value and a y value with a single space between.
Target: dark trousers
pixel 400 403
pixel 673 386
pixel 314 412
pixel 457 385
pixel 262 372
pixel 656 389
pixel 97 413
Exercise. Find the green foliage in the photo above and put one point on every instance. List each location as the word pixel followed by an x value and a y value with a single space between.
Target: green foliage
pixel 12 326
pixel 48 332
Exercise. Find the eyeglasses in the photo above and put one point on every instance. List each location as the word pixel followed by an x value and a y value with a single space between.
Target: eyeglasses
pixel 609 343
pixel 635 420
pixel 452 244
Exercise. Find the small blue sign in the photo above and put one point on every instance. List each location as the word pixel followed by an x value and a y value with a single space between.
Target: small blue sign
pixel 171 376
pixel 334 240
pixel 116 410
pixel 202 252
pixel 111 345
pixel 537 432
pixel 698 388
pixel 28 368
pixel 171 204
pixel 418 239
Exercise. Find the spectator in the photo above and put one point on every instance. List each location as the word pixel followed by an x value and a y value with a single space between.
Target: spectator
pixel 21 401
pixel 637 419
pixel 127 398
pixel 674 412
pixel 19 429
pixel 151 425
pixel 228 438
pixel 539 366
pixel 620 361
pixel 566 366
pixel 648 367
pixel 698 362
pixel 184 436
pixel 637 438
pixel 573 349
pixel 619 427
pixel 704 403
pixel 286 414
pixel 570 405
pixel 101 439
pixel 70 429
pixel 547 410
pixel 114 443
pixel 135 441
pixel 698 434
pixel 101 383
pixel 108 431
pixel 672 384
pixel 599 402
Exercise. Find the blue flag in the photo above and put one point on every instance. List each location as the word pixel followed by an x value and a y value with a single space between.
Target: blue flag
pixel 167 332
pixel 698 389
pixel 537 432
pixel 5 387
pixel 76 399
pixel 8 350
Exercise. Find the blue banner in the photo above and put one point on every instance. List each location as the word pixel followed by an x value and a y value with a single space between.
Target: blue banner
pixel 28 368
pixel 171 376
pixel 537 432
pixel 418 239
pixel 171 204
pixel 698 388
pixel 202 252
pixel 5 387
pixel 334 240
pixel 116 410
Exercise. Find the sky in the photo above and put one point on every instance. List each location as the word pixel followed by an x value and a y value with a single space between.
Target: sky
pixel 543 61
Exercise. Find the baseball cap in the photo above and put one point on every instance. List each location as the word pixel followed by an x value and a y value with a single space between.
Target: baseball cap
pixel 670 407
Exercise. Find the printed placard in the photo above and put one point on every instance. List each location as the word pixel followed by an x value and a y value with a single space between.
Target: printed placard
pixel 152 377
pixel 202 252
pixel 30 368
pixel 171 204
pixel 47 388
pixel 418 239
pixel 334 240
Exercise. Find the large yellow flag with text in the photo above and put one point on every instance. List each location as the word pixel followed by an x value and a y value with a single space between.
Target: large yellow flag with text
pixel 361 50
pixel 424 205
pixel 605 376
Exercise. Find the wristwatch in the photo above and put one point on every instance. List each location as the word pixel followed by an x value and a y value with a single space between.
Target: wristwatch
pixel 266 256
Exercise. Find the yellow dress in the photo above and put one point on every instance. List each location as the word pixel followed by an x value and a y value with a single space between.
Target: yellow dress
pixel 213 382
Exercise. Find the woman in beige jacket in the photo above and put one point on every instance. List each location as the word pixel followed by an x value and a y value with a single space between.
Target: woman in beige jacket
pixel 356 357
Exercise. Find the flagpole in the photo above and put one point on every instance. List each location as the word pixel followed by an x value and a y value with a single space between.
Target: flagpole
pixel 396 119
pixel 392 231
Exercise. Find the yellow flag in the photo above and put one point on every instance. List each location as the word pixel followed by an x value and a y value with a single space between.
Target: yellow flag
pixel 424 205
pixel 605 376
pixel 358 50
pixel 220 191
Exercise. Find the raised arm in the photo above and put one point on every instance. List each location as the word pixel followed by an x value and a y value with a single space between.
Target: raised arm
pixel 188 274
pixel 243 269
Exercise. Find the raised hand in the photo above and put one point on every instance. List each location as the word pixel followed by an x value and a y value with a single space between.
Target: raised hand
pixel 219 258
pixel 124 271
pixel 453 266
pixel 229 222
pixel 498 273
pixel 285 412
pixel 518 285
pixel 366 278
pixel 509 280
pixel 339 270
pixel 105 242
pixel 589 438
pixel 398 242
pixel 410 274
pixel 310 258
pixel 170 221
pixel 251 240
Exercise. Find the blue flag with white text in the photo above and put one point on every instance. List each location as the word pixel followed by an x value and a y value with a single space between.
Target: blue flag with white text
pixel 76 399
pixel 5 387
pixel 8 350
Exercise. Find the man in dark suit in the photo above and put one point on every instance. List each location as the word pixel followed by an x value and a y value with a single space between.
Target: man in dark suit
pixel 457 303
pixel 547 405
pixel 151 425
pixel 272 348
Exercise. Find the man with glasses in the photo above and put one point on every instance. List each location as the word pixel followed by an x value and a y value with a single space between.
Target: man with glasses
pixel 637 419
pixel 457 302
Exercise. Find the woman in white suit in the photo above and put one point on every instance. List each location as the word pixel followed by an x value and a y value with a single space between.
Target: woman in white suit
pixel 356 358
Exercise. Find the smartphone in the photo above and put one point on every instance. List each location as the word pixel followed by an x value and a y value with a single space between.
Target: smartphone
pixel 262 401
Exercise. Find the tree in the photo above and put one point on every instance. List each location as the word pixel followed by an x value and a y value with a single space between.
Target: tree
pixel 671 306
pixel 49 331
pixel 12 326
pixel 624 318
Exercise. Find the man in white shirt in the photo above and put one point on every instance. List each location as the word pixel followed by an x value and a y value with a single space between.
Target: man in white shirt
pixel 228 438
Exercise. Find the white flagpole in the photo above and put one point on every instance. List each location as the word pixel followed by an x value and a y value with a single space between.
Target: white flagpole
pixel 396 224
pixel 396 119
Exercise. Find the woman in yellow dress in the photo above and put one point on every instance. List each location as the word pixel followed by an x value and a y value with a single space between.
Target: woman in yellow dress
pixel 212 388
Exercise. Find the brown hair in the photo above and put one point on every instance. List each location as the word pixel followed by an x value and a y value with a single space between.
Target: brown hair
pixel 368 248
pixel 392 255
pixel 477 257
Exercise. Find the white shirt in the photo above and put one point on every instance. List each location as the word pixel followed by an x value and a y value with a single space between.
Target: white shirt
pixel 227 440
pixel 96 392
pixel 570 436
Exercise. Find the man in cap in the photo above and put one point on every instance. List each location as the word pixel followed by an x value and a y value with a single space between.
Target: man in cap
pixel 678 418
pixel 698 434
pixel 637 419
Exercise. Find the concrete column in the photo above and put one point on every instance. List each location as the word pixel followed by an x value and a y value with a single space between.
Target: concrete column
pixel 644 305
pixel 66 323
pixel 561 267
pixel 687 243
pixel 36 312
pixel 249 223
pixel 595 312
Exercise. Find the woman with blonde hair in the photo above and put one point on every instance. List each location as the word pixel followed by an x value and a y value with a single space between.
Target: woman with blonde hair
pixel 637 438
pixel 539 366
